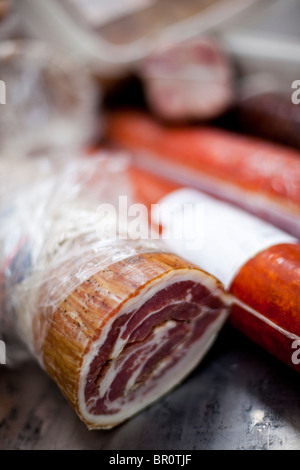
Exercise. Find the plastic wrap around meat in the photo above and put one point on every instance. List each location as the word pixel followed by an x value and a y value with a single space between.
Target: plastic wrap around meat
pixel 50 100
pixel 258 176
pixel 116 322
pixel 258 263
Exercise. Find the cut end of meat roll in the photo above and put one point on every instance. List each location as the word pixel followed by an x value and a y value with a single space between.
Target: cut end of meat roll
pixel 130 333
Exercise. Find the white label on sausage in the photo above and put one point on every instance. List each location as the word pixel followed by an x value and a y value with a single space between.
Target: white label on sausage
pixel 226 238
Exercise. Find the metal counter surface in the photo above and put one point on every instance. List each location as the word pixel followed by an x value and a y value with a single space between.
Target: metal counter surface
pixel 239 397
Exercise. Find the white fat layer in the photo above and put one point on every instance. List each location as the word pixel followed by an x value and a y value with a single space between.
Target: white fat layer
pixel 280 212
pixel 144 351
pixel 224 240
pixel 169 380
pixel 179 371
pixel 116 367
pixel 120 343
pixel 159 333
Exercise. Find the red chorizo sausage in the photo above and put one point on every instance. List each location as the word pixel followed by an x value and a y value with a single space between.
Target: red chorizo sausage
pixel 261 177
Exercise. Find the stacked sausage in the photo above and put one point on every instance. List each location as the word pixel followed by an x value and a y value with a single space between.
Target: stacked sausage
pixel 259 264
pixel 261 177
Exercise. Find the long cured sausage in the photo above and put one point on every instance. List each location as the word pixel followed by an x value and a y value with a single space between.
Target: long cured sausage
pixel 271 116
pixel 258 263
pixel 115 322
pixel 258 176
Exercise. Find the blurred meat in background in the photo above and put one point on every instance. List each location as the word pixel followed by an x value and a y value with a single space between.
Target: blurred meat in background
pixel 188 80
pixel 184 61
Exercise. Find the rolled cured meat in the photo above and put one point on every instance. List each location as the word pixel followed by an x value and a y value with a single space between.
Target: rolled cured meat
pixel 258 263
pixel 258 176
pixel 116 322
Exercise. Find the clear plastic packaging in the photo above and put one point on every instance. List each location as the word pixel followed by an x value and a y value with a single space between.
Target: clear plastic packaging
pixel 116 321
pixel 52 238
pixel 111 39
pixel 9 18
pixel 266 41
pixel 50 100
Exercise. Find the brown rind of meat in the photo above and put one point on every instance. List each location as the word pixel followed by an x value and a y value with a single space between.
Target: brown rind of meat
pixel 81 317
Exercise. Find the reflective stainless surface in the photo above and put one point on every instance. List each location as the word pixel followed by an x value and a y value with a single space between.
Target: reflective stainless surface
pixel 238 398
